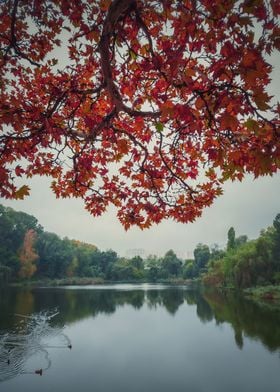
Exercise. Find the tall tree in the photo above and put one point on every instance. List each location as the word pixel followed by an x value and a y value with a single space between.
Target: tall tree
pixel 170 93
pixel 231 239
pixel 153 268
pixel 171 264
pixel 13 228
pixel 201 257
pixel 55 255
pixel 28 255
pixel 276 240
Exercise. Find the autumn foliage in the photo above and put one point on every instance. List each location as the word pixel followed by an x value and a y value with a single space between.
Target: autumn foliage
pixel 146 105
pixel 27 255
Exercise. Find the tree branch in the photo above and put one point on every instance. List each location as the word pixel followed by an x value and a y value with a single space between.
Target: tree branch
pixel 117 9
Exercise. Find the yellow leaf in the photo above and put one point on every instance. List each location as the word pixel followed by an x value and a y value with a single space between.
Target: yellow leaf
pixel 133 55
pixel 22 192
pixel 252 125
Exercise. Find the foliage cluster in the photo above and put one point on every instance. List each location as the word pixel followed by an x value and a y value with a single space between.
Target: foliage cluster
pixel 27 251
pixel 170 94
pixel 248 263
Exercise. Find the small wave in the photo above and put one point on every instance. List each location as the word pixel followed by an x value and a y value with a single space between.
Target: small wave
pixel 32 337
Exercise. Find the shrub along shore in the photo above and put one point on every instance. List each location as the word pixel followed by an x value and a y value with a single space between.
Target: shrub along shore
pixel 31 256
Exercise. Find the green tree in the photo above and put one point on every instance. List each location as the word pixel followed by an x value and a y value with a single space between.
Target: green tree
pixel 138 267
pixel 231 239
pixel 171 264
pixel 72 267
pixel 188 269
pixel 201 258
pixel 137 262
pixel 122 270
pixel 239 241
pixel 55 255
pixel 276 240
pixel 216 253
pixel 13 228
pixel 107 261
pixel 153 268
pixel 83 253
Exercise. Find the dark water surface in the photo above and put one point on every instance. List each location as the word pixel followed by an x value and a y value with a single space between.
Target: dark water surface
pixel 132 338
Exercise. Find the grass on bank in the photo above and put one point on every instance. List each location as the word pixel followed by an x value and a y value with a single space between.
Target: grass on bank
pixel 269 293
pixel 83 281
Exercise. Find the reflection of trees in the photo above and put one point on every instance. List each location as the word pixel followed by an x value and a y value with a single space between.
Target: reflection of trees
pixel 245 317
pixel 238 336
pixel 77 304
pixel 204 310
pixel 154 298
pixel 172 299
pixel 11 302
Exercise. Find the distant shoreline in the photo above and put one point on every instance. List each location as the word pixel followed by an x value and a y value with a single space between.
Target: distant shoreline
pixel 76 281
pixel 269 295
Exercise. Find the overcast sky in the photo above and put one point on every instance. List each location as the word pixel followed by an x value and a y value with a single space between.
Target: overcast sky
pixel 248 206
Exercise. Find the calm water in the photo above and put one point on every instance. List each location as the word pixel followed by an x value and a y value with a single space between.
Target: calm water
pixel 132 338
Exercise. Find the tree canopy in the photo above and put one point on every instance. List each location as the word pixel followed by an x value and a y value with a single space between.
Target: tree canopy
pixel 146 105
pixel 27 252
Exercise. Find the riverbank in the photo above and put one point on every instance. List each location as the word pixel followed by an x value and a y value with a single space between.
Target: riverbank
pixel 58 282
pixel 76 281
pixel 264 293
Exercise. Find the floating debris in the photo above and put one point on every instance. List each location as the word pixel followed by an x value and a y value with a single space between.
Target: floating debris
pixel 30 339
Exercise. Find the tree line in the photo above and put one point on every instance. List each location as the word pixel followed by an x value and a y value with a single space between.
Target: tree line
pixel 247 263
pixel 27 251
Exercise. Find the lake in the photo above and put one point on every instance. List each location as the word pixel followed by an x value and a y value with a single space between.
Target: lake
pixel 133 338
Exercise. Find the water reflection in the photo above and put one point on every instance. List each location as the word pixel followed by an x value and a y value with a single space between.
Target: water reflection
pixel 245 317
pixel 29 343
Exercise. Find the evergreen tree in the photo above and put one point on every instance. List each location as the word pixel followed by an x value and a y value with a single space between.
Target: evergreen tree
pixel 231 239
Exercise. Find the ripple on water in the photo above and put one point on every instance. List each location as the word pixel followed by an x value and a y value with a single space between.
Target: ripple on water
pixel 30 338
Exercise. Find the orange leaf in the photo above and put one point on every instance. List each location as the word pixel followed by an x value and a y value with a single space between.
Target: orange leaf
pixel 123 146
pixel 261 100
pixel 229 121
